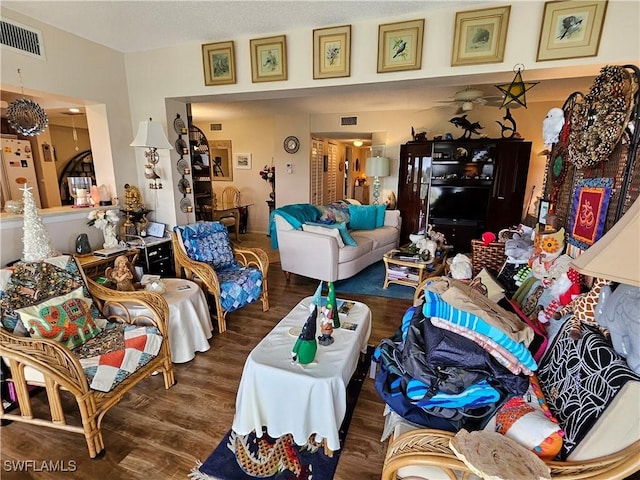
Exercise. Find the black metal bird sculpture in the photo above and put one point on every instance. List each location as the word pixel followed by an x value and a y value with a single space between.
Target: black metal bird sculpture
pixel 505 129
pixel 469 128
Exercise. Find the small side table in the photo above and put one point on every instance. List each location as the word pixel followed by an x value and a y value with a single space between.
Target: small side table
pixel 404 270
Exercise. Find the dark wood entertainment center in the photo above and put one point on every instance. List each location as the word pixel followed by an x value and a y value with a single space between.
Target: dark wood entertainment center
pixel 463 187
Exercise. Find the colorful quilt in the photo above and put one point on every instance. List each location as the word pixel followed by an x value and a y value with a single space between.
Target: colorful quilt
pixel 116 353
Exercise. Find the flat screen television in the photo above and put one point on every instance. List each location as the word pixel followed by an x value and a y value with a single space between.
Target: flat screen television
pixel 463 204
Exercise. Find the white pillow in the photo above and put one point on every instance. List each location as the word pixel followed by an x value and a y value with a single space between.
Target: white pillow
pixel 330 232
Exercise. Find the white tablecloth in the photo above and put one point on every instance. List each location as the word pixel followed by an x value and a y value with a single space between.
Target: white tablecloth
pixel 189 320
pixel 287 398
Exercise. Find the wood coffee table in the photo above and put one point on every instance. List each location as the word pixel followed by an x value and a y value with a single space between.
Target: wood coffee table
pixel 286 398
pixel 403 269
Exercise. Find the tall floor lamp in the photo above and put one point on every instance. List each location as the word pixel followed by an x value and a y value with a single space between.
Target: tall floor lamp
pixel 377 167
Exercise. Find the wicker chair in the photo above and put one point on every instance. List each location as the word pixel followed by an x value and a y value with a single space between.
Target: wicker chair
pixel 430 448
pixel 219 281
pixel 49 364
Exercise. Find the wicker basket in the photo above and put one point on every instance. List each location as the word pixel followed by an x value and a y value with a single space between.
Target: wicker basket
pixel 491 257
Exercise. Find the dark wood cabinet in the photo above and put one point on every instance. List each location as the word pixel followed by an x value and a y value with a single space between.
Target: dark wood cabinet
pixel 462 187
pixel 413 186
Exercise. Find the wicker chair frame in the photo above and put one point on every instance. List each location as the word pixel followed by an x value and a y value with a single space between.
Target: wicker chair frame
pixel 203 274
pixel 62 370
pixel 428 447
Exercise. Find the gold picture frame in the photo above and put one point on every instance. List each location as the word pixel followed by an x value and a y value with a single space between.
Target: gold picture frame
pixel 480 36
pixel 219 63
pixel 268 59
pixel 400 46
pixel 571 29
pixel 332 52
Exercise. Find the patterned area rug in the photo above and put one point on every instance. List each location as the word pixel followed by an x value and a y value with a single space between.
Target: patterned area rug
pixel 370 281
pixel 245 457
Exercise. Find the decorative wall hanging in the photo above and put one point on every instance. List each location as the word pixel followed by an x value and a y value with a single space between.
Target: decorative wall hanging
pixel 599 121
pixel 268 59
pixel 332 52
pixel 589 214
pixel 219 63
pixel 517 89
pixel 571 29
pixel 184 186
pixel 243 161
pixel 480 36
pixel 400 46
pixel 25 116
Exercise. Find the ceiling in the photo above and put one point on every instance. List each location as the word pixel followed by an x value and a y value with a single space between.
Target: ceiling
pixel 150 24
pixel 135 26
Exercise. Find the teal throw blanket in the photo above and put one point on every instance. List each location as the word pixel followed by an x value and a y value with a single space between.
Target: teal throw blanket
pixel 296 214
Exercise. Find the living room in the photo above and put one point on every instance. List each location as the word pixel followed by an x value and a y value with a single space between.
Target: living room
pixel 122 88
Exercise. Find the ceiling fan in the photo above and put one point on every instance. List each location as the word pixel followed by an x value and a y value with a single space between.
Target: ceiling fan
pixel 467 98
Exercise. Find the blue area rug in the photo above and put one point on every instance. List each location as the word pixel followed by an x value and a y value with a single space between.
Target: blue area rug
pixel 370 281
pixel 289 461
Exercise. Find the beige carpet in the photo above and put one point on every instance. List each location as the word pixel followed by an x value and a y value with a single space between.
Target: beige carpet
pixel 260 240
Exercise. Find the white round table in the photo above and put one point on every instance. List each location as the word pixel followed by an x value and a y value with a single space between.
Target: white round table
pixel 189 320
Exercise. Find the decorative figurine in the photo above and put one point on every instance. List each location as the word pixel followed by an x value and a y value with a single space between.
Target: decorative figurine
pixel 504 129
pixel 332 309
pixel 82 244
pixel 326 328
pixel 469 128
pixel 305 348
pixel 122 273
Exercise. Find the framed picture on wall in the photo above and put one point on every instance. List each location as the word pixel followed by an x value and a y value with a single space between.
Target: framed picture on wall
pixel 332 52
pixel 480 36
pixel 219 63
pixel 243 161
pixel 571 29
pixel 400 46
pixel 268 59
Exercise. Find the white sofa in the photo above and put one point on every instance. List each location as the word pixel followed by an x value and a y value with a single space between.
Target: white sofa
pixel 319 256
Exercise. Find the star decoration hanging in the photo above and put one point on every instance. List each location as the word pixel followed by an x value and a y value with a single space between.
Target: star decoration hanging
pixel 516 90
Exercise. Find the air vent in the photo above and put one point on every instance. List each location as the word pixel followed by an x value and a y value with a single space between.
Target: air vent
pixel 215 127
pixel 348 121
pixel 21 39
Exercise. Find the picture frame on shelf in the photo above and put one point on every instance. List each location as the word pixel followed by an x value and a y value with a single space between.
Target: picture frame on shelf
pixel 268 59
pixel 543 211
pixel 332 52
pixel 480 36
pixel 400 46
pixel 219 63
pixel 571 29
pixel 242 161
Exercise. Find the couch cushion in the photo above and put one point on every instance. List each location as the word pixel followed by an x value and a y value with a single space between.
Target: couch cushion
pixel 350 253
pixel 323 230
pixel 118 351
pixel 380 236
pixel 208 242
pixel 67 319
pixel 363 217
pixel 342 228
pixel 580 380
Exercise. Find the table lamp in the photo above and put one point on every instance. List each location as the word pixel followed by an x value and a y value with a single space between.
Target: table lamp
pixel 377 167
pixel 151 135
pixel 616 256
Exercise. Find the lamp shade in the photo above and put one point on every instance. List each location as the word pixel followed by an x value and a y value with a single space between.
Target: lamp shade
pixel 377 167
pixel 151 135
pixel 616 256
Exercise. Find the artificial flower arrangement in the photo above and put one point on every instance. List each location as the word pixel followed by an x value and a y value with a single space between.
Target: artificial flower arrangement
pixel 268 173
pixel 102 218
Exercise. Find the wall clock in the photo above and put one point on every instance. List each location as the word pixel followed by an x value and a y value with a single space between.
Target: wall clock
pixel 291 144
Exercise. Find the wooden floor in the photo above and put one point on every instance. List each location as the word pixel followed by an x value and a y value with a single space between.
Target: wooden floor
pixel 160 434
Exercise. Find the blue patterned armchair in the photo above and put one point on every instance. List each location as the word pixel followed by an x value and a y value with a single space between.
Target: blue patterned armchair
pixel 233 276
